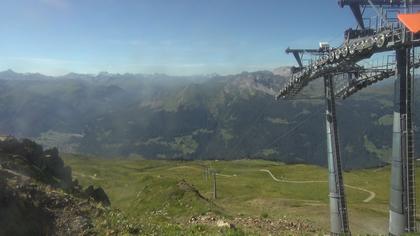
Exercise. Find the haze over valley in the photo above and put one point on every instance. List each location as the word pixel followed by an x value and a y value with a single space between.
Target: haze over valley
pixel 192 117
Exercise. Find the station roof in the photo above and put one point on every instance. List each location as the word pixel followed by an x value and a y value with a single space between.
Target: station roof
pixel 411 21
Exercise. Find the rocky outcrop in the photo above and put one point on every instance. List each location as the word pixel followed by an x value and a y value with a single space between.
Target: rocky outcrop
pixel 38 195
pixel 98 194
pixel 28 207
pixel 28 158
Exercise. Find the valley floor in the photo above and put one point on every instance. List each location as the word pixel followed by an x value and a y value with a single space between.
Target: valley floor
pixel 259 197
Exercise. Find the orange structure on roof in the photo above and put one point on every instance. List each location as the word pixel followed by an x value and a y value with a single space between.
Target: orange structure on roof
pixel 411 21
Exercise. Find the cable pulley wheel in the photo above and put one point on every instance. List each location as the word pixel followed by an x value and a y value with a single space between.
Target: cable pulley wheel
pixel 324 59
pixel 352 48
pixel 337 54
pixel 380 41
pixel 362 46
pixel 345 51
pixel 331 57
pixel 370 43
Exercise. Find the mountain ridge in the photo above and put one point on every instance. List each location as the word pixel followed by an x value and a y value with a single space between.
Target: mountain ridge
pixel 218 117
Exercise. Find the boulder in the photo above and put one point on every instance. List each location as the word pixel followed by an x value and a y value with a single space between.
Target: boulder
pixel 97 194
pixel 222 224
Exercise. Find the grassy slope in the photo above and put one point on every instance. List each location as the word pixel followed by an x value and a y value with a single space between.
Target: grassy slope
pixel 140 188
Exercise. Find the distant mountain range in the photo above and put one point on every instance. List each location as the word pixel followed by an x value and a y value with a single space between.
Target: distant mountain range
pixel 192 117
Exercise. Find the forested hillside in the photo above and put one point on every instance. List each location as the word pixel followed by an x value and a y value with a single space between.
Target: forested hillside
pixel 196 117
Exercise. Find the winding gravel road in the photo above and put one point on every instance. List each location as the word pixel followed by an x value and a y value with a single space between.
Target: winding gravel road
pixel 372 195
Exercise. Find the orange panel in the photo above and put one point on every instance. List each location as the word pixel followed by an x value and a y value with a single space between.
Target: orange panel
pixel 411 21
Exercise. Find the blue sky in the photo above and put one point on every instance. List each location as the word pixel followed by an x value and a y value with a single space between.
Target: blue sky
pixel 179 37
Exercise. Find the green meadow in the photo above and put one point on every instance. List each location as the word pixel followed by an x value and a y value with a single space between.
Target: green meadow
pixel 148 191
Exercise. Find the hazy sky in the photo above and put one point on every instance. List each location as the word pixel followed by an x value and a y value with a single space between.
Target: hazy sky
pixel 178 37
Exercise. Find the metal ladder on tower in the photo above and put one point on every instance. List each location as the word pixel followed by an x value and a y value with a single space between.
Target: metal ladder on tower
pixel 410 159
pixel 336 158
pixel 343 208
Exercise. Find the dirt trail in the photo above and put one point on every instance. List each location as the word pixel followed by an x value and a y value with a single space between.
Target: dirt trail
pixel 185 167
pixel 372 194
pixel 227 176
